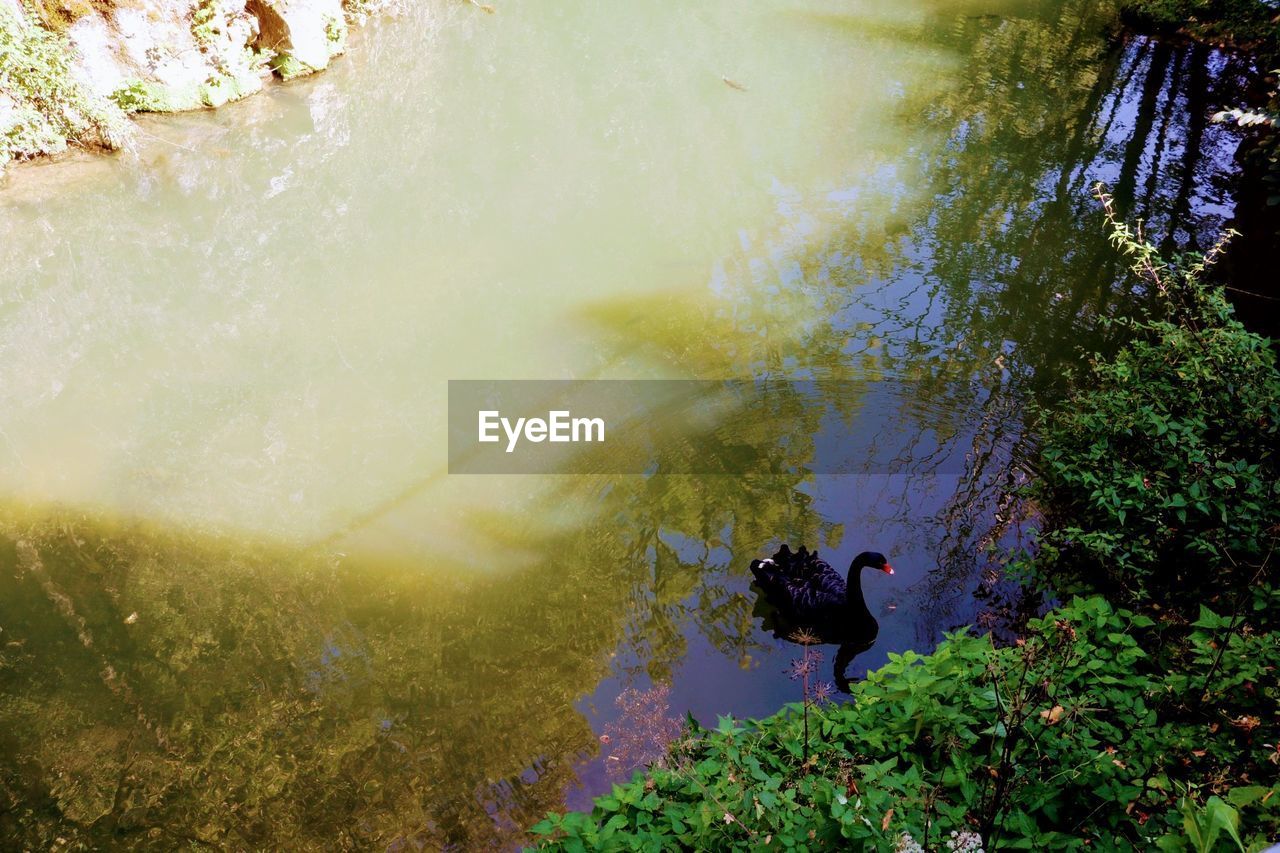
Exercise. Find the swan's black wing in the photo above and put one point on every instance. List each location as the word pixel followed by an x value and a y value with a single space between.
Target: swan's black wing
pixel 799 583
pixel 821 591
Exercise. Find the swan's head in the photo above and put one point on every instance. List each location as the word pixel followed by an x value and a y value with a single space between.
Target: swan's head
pixel 757 565
pixel 872 560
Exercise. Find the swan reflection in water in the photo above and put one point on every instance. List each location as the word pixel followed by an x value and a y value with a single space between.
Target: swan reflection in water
pixel 801 594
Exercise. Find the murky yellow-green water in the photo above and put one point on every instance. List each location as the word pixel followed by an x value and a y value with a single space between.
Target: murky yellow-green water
pixel 241 600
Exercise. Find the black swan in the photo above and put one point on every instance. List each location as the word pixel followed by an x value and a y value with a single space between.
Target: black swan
pixel 802 593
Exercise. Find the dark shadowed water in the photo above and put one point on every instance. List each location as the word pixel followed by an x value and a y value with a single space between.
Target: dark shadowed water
pixel 241 601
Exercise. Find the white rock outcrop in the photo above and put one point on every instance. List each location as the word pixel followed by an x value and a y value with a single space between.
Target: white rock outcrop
pixel 74 80
pixel 308 31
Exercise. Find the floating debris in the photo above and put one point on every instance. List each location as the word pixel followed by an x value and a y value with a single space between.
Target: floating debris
pixel 131 618
pixel 732 84
pixel 483 7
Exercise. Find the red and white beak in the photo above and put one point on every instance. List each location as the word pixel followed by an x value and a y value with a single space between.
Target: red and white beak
pixel 888 569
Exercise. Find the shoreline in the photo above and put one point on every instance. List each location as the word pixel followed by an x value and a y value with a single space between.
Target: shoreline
pixel 75 87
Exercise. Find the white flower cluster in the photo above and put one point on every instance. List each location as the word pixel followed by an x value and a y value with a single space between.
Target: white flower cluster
pixel 907 844
pixel 959 842
pixel 965 842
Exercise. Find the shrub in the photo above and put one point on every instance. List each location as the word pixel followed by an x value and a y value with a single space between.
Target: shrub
pixel 1241 23
pixel 1076 736
pixel 1159 473
pixel 1265 122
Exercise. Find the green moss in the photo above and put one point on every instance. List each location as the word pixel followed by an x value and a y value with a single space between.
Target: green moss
pixel 223 89
pixel 145 96
pixel 289 67
pixel 335 30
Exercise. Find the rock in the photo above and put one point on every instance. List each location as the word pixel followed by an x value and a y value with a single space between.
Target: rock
pixel 304 33
pixel 73 79
pixel 95 62
pixel 162 57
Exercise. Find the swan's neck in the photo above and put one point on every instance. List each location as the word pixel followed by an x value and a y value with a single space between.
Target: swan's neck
pixel 853 589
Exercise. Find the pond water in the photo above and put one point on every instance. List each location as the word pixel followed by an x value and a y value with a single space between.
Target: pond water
pixel 242 601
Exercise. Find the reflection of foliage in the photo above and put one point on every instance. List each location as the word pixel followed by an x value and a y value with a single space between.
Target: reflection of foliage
pixel 643 733
pixel 683 536
pixel 1033 755
pixel 273 698
pixel 994 275
pixel 264 698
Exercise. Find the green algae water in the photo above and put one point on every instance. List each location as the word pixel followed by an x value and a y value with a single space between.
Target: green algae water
pixel 242 602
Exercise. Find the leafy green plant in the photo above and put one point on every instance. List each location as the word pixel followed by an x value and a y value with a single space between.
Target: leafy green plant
pixel 138 96
pixel 1265 121
pixel 813 692
pixel 51 109
pixel 1204 823
pixel 1159 475
pixel 1075 736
